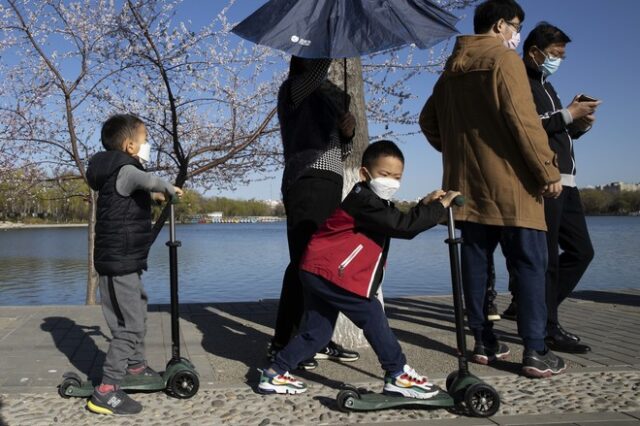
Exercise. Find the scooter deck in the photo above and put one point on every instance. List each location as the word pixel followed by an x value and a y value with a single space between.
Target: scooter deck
pixel 378 401
pixel 130 383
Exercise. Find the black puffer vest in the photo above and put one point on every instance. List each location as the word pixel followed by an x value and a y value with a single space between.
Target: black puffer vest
pixel 123 224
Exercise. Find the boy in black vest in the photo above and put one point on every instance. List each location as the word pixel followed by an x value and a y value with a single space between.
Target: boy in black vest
pixel 342 269
pixel 122 242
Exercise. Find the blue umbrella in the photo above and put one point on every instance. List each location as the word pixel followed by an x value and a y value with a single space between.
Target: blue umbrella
pixel 346 28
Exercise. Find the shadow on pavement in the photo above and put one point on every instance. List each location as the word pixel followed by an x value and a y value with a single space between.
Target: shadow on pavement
pixel 607 297
pixel 75 341
pixel 2 421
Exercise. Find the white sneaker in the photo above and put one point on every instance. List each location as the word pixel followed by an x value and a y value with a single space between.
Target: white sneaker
pixel 410 384
pixel 280 383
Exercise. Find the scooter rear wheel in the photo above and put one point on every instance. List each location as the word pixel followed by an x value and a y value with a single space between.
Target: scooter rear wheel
pixel 66 384
pixel 482 400
pixel 346 399
pixel 184 384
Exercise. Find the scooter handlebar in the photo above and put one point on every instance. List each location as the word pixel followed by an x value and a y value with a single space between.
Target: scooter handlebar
pixel 459 200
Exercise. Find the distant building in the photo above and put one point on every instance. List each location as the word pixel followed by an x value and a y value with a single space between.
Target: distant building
pixel 619 187
pixel 214 217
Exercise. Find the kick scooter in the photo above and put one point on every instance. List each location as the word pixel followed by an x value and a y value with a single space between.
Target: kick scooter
pixel 180 378
pixel 465 391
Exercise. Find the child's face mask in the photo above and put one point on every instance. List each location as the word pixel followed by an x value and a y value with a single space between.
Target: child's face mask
pixel 144 154
pixel 383 187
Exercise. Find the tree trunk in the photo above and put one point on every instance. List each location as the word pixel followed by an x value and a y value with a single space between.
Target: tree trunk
pixel 92 276
pixel 345 332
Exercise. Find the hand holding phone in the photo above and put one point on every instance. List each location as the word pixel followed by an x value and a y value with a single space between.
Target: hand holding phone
pixel 586 98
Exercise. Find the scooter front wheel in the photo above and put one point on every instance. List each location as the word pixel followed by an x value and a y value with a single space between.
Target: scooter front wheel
pixel 346 399
pixel 482 400
pixel 184 384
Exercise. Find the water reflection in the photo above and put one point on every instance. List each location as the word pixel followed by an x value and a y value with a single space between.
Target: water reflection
pixel 241 262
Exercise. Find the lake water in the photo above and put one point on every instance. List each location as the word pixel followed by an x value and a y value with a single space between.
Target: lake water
pixel 244 262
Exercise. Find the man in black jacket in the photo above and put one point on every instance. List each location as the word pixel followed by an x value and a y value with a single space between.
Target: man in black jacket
pixel 544 50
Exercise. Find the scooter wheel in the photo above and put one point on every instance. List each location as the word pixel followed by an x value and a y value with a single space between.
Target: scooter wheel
pixel 482 400
pixel 66 384
pixel 184 384
pixel 450 379
pixel 346 398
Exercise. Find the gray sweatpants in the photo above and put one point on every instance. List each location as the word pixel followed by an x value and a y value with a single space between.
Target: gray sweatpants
pixel 124 304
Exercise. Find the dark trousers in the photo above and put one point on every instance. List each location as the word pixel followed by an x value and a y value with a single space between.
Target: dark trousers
pixel 308 203
pixel 526 252
pixel 567 230
pixel 323 301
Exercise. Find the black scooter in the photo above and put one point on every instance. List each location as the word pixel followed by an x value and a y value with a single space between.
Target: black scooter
pixel 465 391
pixel 180 378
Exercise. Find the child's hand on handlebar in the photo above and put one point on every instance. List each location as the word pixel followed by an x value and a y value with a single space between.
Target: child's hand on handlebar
pixel 433 196
pixel 449 197
pixel 178 191
pixel 446 198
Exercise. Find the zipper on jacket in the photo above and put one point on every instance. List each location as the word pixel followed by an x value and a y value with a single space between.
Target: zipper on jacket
pixel 349 259
pixel 553 105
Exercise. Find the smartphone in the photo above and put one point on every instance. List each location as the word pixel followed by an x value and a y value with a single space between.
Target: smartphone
pixel 585 98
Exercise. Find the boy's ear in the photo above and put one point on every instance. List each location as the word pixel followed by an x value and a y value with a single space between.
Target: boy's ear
pixel 127 146
pixel 363 174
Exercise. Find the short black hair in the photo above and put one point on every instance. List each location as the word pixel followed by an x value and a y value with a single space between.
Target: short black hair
pixel 382 148
pixel 117 129
pixel 543 36
pixel 491 11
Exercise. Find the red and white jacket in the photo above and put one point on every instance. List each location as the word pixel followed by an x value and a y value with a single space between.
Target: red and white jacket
pixel 350 248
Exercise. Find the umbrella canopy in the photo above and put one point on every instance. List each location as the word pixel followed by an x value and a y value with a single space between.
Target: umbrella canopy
pixel 346 28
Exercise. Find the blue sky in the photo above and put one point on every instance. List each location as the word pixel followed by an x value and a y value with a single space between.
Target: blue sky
pixel 601 62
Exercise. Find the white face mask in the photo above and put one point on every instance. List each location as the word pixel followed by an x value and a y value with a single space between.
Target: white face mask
pixel 144 154
pixel 513 42
pixel 384 187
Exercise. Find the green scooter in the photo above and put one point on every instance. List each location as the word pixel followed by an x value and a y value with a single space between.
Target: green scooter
pixel 465 391
pixel 180 378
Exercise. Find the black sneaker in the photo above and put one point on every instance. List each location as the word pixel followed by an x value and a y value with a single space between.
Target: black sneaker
pixel 483 354
pixel 558 330
pixel 562 343
pixel 308 364
pixel 336 352
pixel 511 313
pixel 539 365
pixel 147 377
pixel 114 402
pixel 272 351
pixel 492 312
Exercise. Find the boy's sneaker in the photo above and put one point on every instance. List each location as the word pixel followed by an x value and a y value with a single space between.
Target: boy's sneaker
pixel 114 402
pixel 484 354
pixel 492 312
pixel 280 383
pixel 511 313
pixel 409 384
pixel 144 371
pixel 272 351
pixel 335 352
pixel 541 365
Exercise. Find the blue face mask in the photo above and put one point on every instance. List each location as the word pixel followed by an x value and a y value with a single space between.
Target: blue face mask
pixel 550 65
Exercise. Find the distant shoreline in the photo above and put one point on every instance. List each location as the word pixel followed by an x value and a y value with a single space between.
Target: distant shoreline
pixel 19 225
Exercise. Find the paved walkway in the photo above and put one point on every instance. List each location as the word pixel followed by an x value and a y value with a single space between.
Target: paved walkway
pixel 227 343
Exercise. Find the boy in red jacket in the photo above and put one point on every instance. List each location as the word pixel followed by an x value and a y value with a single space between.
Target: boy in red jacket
pixel 342 270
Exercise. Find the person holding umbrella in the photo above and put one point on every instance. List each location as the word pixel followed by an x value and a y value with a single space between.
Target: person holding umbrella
pixel 317 130
pixel 316 127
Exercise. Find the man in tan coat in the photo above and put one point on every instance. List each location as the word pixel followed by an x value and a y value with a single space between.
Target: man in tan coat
pixel 482 118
